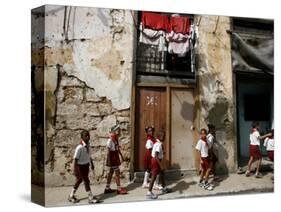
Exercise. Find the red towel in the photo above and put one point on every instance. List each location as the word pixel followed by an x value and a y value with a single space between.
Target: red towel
pixel 155 21
pixel 179 24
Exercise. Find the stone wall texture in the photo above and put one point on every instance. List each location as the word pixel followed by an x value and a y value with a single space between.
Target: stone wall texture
pixel 87 58
pixel 215 84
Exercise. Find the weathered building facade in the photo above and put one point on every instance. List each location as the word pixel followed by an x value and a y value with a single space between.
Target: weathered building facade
pixel 86 75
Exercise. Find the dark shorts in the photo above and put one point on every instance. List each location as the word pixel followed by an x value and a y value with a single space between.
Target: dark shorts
pixel 255 151
pixel 270 155
pixel 147 160
pixel 155 168
pixel 82 171
pixel 205 163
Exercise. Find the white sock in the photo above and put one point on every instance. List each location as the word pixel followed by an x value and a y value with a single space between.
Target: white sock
pixel 90 194
pixel 156 183
pixel 72 192
pixel 145 179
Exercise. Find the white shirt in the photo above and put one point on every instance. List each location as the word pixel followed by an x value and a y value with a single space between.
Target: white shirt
pixel 82 155
pixel 149 144
pixel 203 148
pixel 210 140
pixel 112 145
pixel 157 147
pixel 269 144
pixel 254 138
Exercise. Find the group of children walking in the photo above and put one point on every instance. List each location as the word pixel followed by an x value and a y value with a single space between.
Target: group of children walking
pixel 154 155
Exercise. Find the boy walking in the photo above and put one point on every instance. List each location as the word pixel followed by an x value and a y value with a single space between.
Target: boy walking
pixel 203 149
pixel 82 162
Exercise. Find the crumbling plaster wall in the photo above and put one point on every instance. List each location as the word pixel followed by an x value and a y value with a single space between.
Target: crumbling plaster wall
pixel 215 85
pixel 87 57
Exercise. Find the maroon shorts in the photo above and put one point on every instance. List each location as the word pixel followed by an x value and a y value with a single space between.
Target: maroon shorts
pixel 205 163
pixel 255 151
pixel 147 160
pixel 155 168
pixel 270 155
pixel 113 159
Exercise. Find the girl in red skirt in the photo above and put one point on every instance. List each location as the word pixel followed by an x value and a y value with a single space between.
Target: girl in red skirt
pixel 113 161
pixel 255 153
pixel 157 168
pixel 150 141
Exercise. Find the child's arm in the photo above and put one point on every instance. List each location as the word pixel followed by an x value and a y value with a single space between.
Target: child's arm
pixel 121 154
pixel 264 136
pixel 92 164
pixel 108 157
pixel 158 161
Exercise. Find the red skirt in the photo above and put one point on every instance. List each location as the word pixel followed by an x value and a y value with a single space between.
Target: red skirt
pixel 155 168
pixel 147 160
pixel 270 155
pixel 255 151
pixel 113 160
pixel 205 163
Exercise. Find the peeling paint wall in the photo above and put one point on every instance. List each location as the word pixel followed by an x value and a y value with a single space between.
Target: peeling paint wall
pixel 87 55
pixel 215 84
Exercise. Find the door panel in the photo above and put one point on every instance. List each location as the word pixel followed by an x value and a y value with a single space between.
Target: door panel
pixel 182 138
pixel 150 110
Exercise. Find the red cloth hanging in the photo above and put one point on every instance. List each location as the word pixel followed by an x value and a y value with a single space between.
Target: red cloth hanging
pixel 155 21
pixel 179 24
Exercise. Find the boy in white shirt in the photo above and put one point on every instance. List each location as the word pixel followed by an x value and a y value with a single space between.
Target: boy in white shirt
pixel 255 153
pixel 156 166
pixel 211 138
pixel 269 145
pixel 203 149
pixel 82 161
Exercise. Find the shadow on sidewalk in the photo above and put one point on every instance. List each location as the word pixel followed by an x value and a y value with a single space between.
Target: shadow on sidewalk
pixel 182 186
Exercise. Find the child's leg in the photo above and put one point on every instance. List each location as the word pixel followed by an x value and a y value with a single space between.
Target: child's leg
pixel 153 178
pixel 162 179
pixel 109 177
pixel 258 165
pixel 207 175
pixel 117 177
pixel 250 164
pixel 146 176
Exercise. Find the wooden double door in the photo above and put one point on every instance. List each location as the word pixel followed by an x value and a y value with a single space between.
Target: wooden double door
pixel 170 110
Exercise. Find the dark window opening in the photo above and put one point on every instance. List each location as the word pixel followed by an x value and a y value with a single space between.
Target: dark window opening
pixel 257 107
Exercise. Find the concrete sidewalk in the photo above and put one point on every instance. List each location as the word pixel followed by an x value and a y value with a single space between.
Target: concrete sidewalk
pixel 182 188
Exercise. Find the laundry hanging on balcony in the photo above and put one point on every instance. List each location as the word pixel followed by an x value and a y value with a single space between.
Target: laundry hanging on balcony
pixel 179 24
pixel 170 33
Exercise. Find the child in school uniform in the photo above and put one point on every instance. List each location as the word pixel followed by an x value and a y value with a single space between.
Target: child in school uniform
pixel 269 145
pixel 82 161
pixel 255 153
pixel 113 161
pixel 150 141
pixel 203 149
pixel 156 167
pixel 211 138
